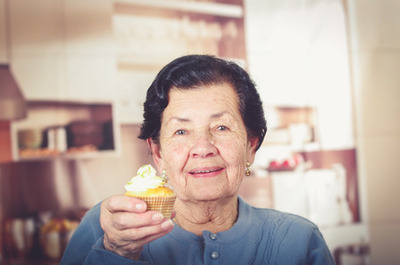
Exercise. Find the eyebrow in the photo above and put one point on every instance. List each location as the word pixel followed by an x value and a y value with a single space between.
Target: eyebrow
pixel 219 115
pixel 213 116
pixel 183 120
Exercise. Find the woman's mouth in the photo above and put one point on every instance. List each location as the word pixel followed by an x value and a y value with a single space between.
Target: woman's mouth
pixel 206 172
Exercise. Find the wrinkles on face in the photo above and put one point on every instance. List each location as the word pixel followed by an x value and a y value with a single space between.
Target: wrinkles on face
pixel 202 129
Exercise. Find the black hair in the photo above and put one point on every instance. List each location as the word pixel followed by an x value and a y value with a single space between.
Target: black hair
pixel 194 71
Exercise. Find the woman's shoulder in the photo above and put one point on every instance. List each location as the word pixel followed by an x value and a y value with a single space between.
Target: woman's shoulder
pixel 277 218
pixel 87 234
pixel 91 221
pixel 93 213
pixel 283 232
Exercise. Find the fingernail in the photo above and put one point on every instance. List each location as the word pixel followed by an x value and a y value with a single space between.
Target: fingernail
pixel 167 224
pixel 157 217
pixel 140 206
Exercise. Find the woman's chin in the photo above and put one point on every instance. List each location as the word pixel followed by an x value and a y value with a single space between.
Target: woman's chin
pixel 209 196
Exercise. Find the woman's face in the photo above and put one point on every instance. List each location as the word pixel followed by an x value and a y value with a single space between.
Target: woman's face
pixel 203 143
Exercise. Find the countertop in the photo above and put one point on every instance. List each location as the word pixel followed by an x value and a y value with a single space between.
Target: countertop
pixel 27 262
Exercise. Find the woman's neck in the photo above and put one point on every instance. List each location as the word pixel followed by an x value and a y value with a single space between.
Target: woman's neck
pixel 214 216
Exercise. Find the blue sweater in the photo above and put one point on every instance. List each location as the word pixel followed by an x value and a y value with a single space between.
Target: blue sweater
pixel 260 236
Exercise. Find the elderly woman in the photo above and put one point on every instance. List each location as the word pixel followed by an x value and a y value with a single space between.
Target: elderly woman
pixel 203 122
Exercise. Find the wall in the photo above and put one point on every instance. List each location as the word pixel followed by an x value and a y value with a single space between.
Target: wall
pixel 65 186
pixel 375 49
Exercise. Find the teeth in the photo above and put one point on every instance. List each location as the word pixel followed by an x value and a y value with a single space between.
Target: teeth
pixel 205 171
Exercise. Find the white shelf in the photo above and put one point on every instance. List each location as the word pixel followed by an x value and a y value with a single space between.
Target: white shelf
pixel 217 9
pixel 71 156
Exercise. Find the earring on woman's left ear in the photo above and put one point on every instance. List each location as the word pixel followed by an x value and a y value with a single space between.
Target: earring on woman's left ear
pixel 248 171
pixel 164 175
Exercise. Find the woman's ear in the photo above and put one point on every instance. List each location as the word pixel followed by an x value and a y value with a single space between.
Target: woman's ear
pixel 252 148
pixel 156 153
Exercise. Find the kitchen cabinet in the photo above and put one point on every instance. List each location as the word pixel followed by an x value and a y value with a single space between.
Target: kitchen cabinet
pixel 67 130
pixel 63 50
pixel 151 33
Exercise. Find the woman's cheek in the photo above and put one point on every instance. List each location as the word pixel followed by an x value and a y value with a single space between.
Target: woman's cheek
pixel 175 153
pixel 231 149
pixel 176 147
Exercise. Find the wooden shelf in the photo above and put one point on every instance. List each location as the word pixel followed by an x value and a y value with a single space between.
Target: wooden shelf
pixel 46 115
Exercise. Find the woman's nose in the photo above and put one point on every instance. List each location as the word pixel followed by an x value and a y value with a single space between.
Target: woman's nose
pixel 203 146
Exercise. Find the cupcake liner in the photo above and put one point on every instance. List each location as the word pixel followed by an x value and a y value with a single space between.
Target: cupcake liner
pixel 165 205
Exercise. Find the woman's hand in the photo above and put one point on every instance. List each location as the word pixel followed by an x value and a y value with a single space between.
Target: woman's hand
pixel 128 226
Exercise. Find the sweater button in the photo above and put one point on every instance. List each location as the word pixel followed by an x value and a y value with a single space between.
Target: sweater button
pixel 213 236
pixel 214 255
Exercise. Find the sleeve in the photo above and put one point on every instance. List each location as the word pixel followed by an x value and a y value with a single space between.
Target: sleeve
pixel 99 255
pixel 299 241
pixel 86 245
pixel 318 251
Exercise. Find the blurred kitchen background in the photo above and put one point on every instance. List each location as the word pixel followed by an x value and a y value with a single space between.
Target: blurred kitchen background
pixel 73 76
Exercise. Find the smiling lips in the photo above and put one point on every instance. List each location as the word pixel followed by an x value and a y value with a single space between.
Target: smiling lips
pixel 206 172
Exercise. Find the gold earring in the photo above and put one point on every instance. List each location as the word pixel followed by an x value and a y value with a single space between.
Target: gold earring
pixel 164 175
pixel 248 171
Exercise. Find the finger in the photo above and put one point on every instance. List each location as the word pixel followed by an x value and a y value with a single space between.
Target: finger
pixel 146 233
pixel 113 210
pixel 127 220
pixel 123 203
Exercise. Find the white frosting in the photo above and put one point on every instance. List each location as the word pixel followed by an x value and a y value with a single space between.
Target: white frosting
pixel 145 179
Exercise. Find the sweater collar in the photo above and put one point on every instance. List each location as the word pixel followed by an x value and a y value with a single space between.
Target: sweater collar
pixel 237 231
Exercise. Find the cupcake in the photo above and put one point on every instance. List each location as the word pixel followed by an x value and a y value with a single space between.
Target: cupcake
pixel 149 187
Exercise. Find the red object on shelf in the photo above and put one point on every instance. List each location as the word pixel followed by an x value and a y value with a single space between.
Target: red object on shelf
pixel 287 164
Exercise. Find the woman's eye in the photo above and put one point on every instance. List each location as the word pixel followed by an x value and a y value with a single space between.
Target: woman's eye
pixel 222 128
pixel 180 132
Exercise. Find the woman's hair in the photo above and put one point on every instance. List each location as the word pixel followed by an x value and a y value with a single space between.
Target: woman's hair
pixel 194 71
